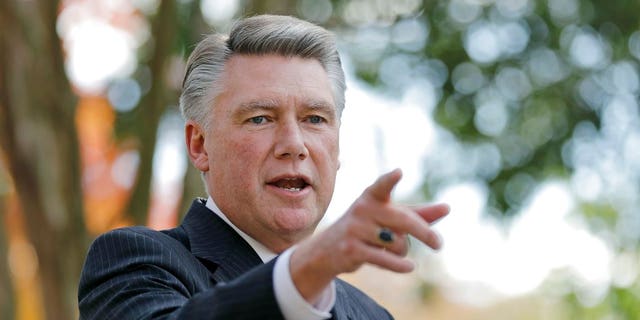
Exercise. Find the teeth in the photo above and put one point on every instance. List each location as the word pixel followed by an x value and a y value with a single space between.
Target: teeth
pixel 290 184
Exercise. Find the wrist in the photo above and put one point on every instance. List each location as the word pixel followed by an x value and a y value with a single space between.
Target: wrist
pixel 309 273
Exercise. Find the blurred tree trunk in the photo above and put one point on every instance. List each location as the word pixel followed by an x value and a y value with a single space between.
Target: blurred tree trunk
pixel 38 137
pixel 6 289
pixel 152 106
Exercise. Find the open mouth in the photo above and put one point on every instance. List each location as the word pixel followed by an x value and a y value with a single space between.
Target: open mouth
pixel 290 184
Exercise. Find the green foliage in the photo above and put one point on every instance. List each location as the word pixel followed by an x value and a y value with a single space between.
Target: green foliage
pixel 620 303
pixel 559 92
pixel 599 214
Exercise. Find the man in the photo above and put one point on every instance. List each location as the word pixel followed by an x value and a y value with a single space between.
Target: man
pixel 262 110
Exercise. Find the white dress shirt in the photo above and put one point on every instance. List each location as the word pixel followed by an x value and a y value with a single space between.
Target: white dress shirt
pixel 291 303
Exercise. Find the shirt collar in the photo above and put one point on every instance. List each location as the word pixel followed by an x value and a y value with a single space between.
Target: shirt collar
pixel 263 252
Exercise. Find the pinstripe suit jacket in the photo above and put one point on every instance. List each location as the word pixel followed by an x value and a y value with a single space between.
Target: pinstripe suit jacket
pixel 200 270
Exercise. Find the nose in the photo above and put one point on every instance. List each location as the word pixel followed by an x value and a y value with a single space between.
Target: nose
pixel 290 142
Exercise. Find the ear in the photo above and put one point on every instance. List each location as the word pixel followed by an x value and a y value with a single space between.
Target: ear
pixel 194 135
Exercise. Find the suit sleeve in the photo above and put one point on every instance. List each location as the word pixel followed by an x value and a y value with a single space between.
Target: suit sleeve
pixel 136 273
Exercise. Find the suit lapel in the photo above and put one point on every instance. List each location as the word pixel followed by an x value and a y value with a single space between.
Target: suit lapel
pixel 224 252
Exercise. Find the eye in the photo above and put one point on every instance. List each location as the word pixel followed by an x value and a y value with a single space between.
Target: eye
pixel 316 119
pixel 258 120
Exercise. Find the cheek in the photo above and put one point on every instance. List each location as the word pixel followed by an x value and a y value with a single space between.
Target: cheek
pixel 247 151
pixel 327 159
pixel 245 157
pixel 229 156
pixel 332 152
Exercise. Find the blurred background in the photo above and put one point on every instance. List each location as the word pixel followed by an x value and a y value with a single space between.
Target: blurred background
pixel 523 115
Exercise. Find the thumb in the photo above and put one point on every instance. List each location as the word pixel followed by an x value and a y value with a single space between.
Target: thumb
pixel 381 189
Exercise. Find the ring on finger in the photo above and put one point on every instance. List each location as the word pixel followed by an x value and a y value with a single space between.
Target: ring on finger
pixel 385 235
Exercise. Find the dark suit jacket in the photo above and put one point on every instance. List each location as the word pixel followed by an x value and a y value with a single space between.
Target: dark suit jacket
pixel 200 270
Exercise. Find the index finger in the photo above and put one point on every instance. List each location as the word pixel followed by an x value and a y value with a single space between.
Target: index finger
pixel 432 213
pixel 381 189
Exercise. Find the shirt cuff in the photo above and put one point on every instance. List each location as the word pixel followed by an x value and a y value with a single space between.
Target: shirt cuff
pixel 291 303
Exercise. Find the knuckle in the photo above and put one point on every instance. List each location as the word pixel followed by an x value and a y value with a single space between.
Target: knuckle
pixel 348 247
pixel 360 208
pixel 352 230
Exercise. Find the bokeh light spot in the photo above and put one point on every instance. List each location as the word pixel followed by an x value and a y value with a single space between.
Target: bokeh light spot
pixel 124 94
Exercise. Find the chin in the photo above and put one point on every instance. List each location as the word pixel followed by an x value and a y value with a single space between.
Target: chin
pixel 297 222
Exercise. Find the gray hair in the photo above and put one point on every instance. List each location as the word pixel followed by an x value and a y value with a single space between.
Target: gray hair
pixel 258 35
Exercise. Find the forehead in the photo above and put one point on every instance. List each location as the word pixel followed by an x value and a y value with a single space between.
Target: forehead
pixel 275 77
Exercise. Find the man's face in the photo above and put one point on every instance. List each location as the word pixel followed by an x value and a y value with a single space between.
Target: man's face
pixel 272 147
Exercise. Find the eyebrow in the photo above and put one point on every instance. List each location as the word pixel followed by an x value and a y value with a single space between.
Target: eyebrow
pixel 265 104
pixel 322 107
pixel 270 104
